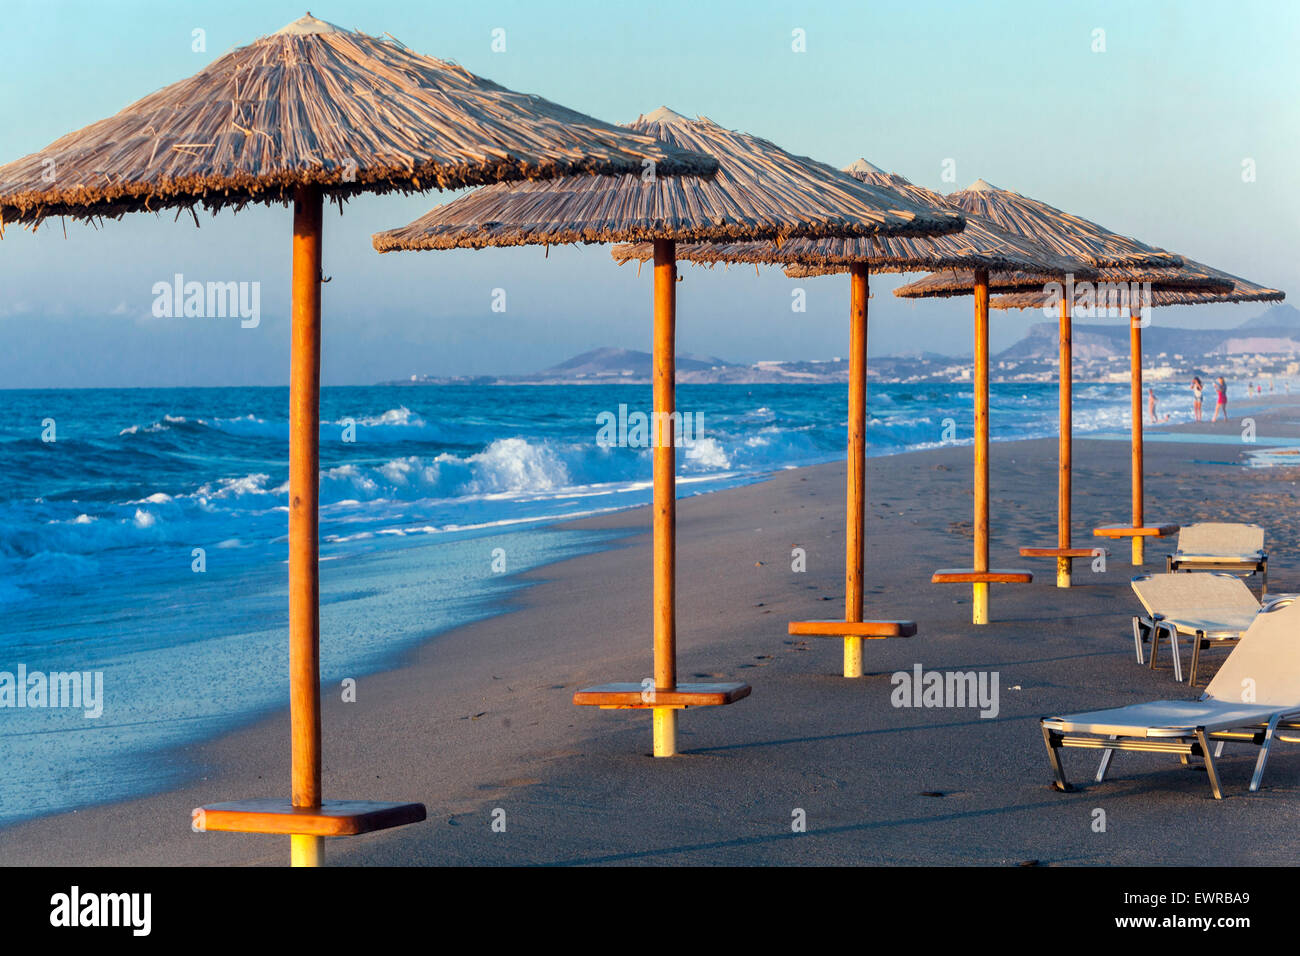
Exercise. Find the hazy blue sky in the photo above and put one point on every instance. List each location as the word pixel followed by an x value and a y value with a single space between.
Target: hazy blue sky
pixel 1147 138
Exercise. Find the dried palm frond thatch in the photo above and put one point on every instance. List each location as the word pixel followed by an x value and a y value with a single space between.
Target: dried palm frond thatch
pixel 317 105
pixel 1059 231
pixel 759 192
pixel 1009 282
pixel 1241 290
pixel 953 282
pixel 1118 259
pixel 980 244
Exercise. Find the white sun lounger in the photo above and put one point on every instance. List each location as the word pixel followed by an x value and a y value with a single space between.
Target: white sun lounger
pixel 1218 546
pixel 1208 608
pixel 1255 694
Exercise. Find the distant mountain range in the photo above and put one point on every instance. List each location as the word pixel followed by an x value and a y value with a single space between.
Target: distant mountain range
pixel 1279 316
pixel 610 366
pixel 1274 332
pixel 622 363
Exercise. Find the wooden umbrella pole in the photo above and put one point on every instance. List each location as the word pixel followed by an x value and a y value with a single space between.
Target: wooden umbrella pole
pixel 980 595
pixel 1063 476
pixel 665 492
pixel 304 484
pixel 856 498
pixel 1135 375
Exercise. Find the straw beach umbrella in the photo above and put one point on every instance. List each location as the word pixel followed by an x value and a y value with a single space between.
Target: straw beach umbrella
pixel 1241 290
pixel 1117 258
pixel 308 113
pixel 760 192
pixel 980 246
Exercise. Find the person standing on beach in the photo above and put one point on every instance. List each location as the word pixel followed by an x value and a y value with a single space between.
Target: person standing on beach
pixel 1221 405
pixel 1151 408
pixel 1197 391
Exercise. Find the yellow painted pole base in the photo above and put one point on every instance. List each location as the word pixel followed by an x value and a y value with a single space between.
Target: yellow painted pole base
pixel 852 657
pixel 1139 551
pixel 665 731
pixel 980 603
pixel 306 850
pixel 1063 572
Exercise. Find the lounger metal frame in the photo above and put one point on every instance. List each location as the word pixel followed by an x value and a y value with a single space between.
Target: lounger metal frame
pixel 1185 744
pixel 1149 627
pixel 1245 567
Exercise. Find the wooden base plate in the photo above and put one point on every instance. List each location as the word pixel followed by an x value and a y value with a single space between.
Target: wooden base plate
pixel 971 576
pixel 1123 531
pixel 331 818
pixel 1061 552
pixel 867 629
pixel 630 695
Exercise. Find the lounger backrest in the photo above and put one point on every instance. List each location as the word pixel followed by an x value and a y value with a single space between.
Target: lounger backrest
pixel 1215 537
pixel 1203 596
pixel 1265 667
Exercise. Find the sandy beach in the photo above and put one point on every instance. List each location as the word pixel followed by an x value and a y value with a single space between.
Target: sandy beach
pixel 480 719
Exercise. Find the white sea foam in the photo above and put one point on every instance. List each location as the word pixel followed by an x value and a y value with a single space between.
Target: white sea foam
pixel 707 453
pixel 394 416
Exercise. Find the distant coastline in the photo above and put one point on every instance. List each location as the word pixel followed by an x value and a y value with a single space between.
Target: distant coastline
pixel 1266 346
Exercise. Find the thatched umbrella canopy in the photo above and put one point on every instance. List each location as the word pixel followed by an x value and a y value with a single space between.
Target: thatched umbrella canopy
pixel 1059 231
pixel 1129 269
pixel 980 245
pixel 1165 292
pixel 316 105
pixel 978 248
pixel 308 112
pixel 760 192
pixel 1025 290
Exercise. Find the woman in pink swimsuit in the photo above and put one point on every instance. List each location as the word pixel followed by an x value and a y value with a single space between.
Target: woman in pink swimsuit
pixel 1222 404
